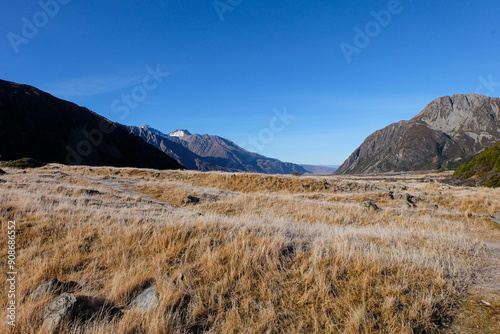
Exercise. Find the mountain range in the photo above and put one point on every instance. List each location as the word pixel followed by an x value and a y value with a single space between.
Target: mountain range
pixel 40 126
pixel 450 130
pixel 211 153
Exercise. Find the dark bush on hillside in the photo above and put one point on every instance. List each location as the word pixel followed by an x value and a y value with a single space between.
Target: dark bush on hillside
pixel 23 163
pixel 485 167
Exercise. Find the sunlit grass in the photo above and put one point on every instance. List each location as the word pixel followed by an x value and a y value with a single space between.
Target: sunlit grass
pixel 257 254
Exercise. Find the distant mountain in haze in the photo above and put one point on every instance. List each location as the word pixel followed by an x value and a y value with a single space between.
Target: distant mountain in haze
pixel 448 132
pixel 211 153
pixel 40 126
pixel 319 169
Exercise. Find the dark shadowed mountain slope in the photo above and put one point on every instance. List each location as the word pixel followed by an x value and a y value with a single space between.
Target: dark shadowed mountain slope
pixel 212 153
pixel 447 133
pixel 38 125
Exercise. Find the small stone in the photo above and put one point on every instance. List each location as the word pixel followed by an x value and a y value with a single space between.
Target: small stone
pixel 191 200
pixel 496 217
pixel 411 201
pixel 146 300
pixel 90 192
pixel 433 206
pixel 52 286
pixel 57 310
pixel 369 205
pixel 48 287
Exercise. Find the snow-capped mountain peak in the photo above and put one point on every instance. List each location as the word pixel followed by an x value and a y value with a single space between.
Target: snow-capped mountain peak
pixel 179 133
pixel 153 130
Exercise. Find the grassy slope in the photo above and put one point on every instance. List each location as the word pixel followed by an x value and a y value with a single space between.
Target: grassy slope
pixel 258 254
pixel 485 166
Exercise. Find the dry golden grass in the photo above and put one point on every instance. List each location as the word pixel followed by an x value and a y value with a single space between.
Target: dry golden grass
pixel 257 254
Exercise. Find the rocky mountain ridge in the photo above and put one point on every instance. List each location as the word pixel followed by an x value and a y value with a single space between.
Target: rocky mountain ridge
pixel 448 132
pixel 212 153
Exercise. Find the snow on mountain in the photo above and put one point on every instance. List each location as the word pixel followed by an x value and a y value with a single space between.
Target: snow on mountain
pixel 210 153
pixel 177 133
pixel 153 130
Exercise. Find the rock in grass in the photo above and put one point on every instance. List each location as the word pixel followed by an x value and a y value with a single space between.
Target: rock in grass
pixel 48 287
pixel 496 217
pixel 90 192
pixel 369 205
pixel 57 310
pixel 68 307
pixel 52 286
pixel 411 201
pixel 146 301
pixel 191 200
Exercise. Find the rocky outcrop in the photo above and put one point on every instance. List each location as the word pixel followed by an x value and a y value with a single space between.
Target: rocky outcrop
pixel 448 132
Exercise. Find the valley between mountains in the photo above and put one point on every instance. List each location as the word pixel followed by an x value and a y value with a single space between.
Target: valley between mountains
pixel 125 229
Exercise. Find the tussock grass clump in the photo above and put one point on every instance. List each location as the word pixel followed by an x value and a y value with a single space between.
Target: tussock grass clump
pixel 249 261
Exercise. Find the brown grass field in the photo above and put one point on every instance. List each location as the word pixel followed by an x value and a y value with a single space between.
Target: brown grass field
pixel 258 253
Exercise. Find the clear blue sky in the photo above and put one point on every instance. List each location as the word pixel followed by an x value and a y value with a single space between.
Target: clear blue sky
pixel 227 76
